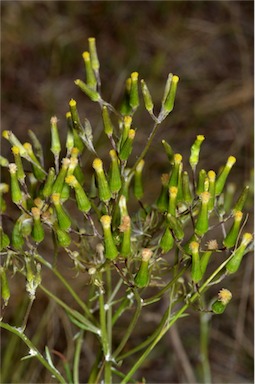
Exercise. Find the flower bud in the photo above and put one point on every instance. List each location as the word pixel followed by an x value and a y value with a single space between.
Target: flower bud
pixel 127 121
pixel 114 173
pixel 176 226
pixel 231 238
pixel 60 180
pixel 211 189
pixel 224 297
pixel 125 228
pixel 4 240
pixel 222 177
pixel 172 200
pixel 4 188
pixel 103 187
pixel 17 238
pixel 196 272
pixel 90 75
pixel 234 263
pixel 3 161
pixel 169 151
pixel 17 158
pixel 108 127
pixel 187 196
pixel 174 177
pixel 93 95
pixel 142 277
pixel 5 290
pixel 63 238
pixel 138 183
pixel 82 200
pixel 195 150
pixel 8 135
pixel 93 54
pixel 168 103
pixel 125 108
pixel 37 231
pixel 201 182
pixel 241 200
pixel 202 222
pixel 162 201
pixel 127 147
pixel 205 257
pixel 55 141
pixel 15 188
pixel 147 97
pixel 123 207
pixel 166 241
pixel 134 97
pixel 111 251
pixel 64 221
pixel 47 188
pixel 38 171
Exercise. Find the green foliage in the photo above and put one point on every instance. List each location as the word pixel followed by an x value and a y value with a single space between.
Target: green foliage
pixel 131 261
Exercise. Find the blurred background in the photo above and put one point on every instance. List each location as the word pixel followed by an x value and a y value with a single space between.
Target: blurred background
pixel 209 45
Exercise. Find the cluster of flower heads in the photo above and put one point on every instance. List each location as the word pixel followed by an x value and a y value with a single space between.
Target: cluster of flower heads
pixel 41 194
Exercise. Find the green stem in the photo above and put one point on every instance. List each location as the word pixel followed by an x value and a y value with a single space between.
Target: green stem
pixel 65 283
pixel 178 314
pixel 204 338
pixel 77 356
pixel 131 325
pixel 33 350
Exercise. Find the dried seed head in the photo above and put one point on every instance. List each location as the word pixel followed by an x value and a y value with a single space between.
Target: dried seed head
pixel 224 296
pixel 125 224
pixel 212 245
pixel 146 254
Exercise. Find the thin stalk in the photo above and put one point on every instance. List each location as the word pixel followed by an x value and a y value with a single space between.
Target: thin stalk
pixel 77 356
pixel 204 338
pixel 178 314
pixel 65 283
pixel 131 325
pixel 105 338
pixel 34 351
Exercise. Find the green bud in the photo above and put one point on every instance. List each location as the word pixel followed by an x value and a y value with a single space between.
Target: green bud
pixel 174 177
pixel 90 75
pixel 187 196
pixel 142 278
pixel 74 114
pixel 37 146
pixel 125 228
pixel 231 238
pixel 211 189
pixel 3 161
pixel 103 187
pixel 169 151
pixel 64 221
pixel 168 103
pixel 15 188
pixel 125 108
pixel 4 240
pixel 234 263
pixel 8 135
pixel 202 222
pixel 123 207
pixel 224 297
pixel 93 95
pixel 173 191
pixel 166 241
pixel 134 97
pixel 114 173
pixel 176 226
pixel 60 180
pixel 196 272
pixel 82 200
pixel 25 223
pixel 127 121
pixel 108 127
pixel 17 158
pixel 17 238
pixel 162 201
pixel 147 97
pixel 201 182
pixel 241 200
pixel 195 150
pixel 138 182
pixel 55 141
pixel 127 147
pixel 5 290
pixel 37 231
pixel 47 188
pixel 93 53
pixel 111 251
pixel 63 238
pixel 38 171
pixel 222 177
pixel 205 257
